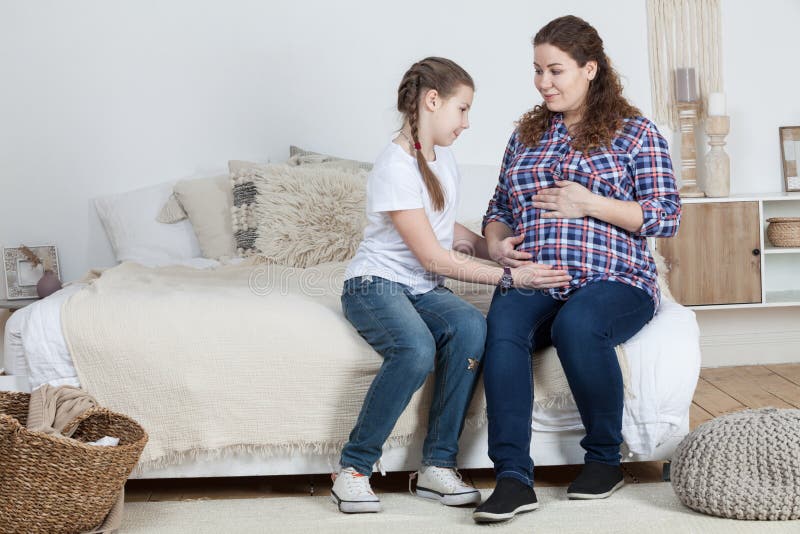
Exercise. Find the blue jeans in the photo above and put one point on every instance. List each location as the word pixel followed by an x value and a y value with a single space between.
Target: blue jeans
pixel 584 329
pixel 415 334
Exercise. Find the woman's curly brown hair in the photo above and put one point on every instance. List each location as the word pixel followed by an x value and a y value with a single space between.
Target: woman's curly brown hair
pixel 605 107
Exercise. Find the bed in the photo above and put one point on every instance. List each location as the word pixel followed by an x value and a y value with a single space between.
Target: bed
pixel 661 372
pixel 91 334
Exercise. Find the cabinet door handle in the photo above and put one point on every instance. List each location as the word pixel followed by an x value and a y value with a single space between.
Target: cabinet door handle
pixel 756 252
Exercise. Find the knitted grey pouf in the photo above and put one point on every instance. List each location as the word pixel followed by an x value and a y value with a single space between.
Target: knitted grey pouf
pixel 744 465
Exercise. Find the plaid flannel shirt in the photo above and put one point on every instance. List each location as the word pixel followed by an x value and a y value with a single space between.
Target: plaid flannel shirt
pixel 636 167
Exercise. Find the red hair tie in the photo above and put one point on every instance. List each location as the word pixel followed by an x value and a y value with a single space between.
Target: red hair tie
pixel 417 146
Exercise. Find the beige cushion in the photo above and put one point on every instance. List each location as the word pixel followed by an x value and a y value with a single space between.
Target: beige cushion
pixel 298 216
pixel 172 211
pixel 207 203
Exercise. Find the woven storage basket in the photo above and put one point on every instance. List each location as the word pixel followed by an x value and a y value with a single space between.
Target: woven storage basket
pixel 784 231
pixel 61 485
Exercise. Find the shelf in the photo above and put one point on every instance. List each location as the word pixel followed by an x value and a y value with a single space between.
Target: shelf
pixel 745 197
pixel 783 298
pixel 774 299
pixel 712 307
pixel 780 266
pixel 772 249
pixel 16 304
pixel 775 304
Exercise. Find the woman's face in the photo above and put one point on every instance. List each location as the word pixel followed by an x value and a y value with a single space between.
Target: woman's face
pixel 561 82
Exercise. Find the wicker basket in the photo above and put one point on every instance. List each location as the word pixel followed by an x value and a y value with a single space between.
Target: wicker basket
pixel 784 231
pixel 55 484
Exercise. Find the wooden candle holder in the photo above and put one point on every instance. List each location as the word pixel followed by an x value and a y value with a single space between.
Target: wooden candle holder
pixel 687 116
pixel 717 163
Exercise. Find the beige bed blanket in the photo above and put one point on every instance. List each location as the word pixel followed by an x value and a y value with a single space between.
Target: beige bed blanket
pixel 248 357
pixel 244 357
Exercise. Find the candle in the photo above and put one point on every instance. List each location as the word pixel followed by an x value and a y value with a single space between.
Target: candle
pixel 716 104
pixel 685 85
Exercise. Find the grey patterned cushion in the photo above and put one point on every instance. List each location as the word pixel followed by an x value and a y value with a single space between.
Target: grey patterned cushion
pixel 744 465
pixel 244 202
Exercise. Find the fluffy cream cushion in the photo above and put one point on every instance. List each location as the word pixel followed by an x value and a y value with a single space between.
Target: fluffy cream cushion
pixel 308 215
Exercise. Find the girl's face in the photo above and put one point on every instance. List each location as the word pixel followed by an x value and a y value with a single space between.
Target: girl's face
pixel 561 82
pixel 450 115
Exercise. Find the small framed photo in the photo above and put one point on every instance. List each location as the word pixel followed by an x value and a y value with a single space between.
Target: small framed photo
pixel 24 266
pixel 790 156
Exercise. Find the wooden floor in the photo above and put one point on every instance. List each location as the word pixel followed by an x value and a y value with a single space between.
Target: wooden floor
pixel 719 391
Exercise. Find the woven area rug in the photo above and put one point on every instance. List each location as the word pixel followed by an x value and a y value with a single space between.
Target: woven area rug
pixel 636 508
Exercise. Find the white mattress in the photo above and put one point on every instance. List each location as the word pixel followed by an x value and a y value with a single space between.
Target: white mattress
pixel 664 360
pixel 34 344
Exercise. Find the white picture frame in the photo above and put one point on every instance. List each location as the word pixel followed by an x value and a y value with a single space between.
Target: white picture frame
pixel 790 157
pixel 21 277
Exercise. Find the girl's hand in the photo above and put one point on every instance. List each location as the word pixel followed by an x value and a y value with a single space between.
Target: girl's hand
pixel 505 251
pixel 568 200
pixel 539 276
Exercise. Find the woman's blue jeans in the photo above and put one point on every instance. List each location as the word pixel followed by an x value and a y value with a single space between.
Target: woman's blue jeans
pixel 415 335
pixel 584 329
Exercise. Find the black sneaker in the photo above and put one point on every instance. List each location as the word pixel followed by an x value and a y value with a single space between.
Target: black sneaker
pixel 596 481
pixel 510 497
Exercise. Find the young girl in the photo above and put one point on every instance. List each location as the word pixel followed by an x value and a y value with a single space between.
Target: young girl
pixel 393 293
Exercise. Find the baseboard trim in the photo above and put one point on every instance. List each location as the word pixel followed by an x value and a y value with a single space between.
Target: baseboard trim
pixel 750 348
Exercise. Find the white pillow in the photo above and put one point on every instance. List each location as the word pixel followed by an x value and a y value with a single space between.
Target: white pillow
pixel 135 235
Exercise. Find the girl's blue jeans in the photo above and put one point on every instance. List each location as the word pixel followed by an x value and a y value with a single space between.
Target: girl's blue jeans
pixel 415 334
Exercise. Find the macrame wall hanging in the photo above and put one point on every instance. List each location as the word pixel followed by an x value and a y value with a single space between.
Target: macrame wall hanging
pixel 684 38
pixel 683 34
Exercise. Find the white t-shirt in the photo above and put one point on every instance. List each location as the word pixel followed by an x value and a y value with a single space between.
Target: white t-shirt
pixel 395 183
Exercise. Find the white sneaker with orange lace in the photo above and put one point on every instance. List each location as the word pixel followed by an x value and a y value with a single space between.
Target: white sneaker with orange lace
pixel 445 485
pixel 352 492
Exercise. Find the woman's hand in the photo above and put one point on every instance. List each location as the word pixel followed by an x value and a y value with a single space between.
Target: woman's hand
pixel 568 200
pixel 539 276
pixel 505 251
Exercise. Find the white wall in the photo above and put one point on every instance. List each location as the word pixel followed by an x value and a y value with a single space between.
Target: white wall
pixel 762 83
pixel 106 96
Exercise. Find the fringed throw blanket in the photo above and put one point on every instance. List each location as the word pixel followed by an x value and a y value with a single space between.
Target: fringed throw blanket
pixel 249 357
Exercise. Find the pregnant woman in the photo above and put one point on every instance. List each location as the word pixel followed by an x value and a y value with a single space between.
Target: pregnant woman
pixel 586 179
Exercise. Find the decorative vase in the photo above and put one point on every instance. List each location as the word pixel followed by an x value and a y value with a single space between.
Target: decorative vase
pixel 48 284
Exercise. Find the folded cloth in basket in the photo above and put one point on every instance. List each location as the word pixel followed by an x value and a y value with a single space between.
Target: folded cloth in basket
pixel 52 408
